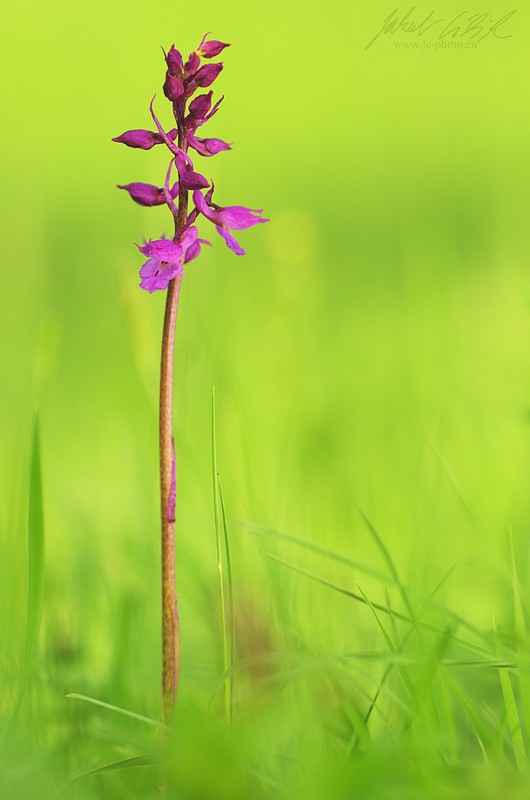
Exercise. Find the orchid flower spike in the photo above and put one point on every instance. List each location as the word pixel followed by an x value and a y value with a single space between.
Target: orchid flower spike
pixel 191 110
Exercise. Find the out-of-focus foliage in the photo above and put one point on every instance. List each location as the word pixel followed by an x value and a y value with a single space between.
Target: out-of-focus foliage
pixel 369 353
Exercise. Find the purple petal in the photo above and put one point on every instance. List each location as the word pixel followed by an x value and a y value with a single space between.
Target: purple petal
pixel 166 138
pixel 189 236
pixel 232 243
pixel 212 48
pixel 193 180
pixel 214 110
pixel 237 218
pixel 192 65
pixel 143 140
pixel 150 268
pixel 207 147
pixel 207 74
pixel 174 61
pixel 203 207
pixel 157 275
pixel 145 194
pixel 199 107
pixel 173 87
pixel 194 250
pixel 163 250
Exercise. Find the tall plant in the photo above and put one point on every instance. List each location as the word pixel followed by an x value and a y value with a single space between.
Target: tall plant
pixel 163 271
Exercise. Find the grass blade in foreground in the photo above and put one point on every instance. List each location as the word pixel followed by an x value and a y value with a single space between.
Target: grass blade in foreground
pixel 118 710
pixel 35 550
pixel 512 715
pixel 227 651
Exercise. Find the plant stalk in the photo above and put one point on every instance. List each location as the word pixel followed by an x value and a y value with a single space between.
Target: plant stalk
pixel 170 616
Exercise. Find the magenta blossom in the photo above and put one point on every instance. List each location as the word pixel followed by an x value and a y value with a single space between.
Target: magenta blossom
pixel 191 109
pixel 141 139
pixel 211 48
pixel 207 147
pixel 189 179
pixel 145 194
pixel 165 260
pixel 237 218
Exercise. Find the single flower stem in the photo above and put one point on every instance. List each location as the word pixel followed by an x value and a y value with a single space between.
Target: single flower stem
pixel 170 617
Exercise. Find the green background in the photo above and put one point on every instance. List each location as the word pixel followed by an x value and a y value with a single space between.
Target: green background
pixel 370 354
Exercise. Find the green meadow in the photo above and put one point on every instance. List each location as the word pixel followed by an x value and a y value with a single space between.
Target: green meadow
pixel 370 362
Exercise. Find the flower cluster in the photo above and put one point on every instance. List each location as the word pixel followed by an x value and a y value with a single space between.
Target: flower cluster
pixel 166 257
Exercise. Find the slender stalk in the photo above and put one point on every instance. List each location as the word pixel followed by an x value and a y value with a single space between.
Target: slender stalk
pixel 170 617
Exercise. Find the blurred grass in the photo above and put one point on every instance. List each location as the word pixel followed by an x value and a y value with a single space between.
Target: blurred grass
pixel 370 352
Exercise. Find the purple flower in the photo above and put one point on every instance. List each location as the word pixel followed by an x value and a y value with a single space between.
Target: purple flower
pixel 144 140
pixel 191 110
pixel 200 111
pixel 201 105
pixel 145 194
pixel 237 218
pixel 173 87
pixel 207 147
pixel 174 61
pixel 188 178
pixel 192 65
pixel 194 249
pixel 210 49
pixel 206 75
pixel 165 259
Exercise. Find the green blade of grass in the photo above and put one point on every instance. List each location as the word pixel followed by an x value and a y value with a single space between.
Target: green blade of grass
pixel 389 562
pixel 478 651
pixel 35 552
pixel 514 723
pixel 144 760
pixel 117 709
pixel 35 561
pixel 484 736
pixel 228 559
pixel 403 672
pixel 426 605
pixel 518 609
pixel 262 530
pixel 512 714
pixel 522 639
pixel 220 571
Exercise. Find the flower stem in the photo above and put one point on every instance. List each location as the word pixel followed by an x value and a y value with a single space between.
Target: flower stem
pixel 170 617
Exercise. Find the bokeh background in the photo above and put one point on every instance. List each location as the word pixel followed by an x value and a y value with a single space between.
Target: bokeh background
pixel 370 353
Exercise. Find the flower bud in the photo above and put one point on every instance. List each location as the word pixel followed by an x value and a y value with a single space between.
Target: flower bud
pixel 192 65
pixel 207 147
pixel 212 48
pixel 144 140
pixel 174 61
pixel 145 194
pixel 189 179
pixel 199 107
pixel 207 74
pixel 173 87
